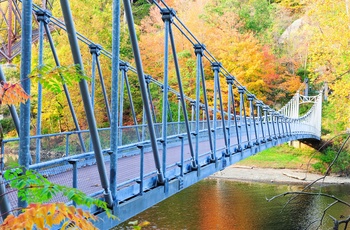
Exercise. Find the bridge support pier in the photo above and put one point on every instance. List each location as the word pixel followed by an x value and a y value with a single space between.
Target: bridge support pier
pixel 297 144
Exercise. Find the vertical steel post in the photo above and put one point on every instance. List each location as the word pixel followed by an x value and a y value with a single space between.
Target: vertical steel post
pixel 84 90
pixel 238 133
pixel 266 109
pixel 251 97
pixel 67 145
pixel 182 96
pixel 241 91
pixel 121 103
pixel 143 124
pixel 215 110
pixel 141 181
pixel 114 99
pixel 104 91
pixel 216 69
pixel 277 115
pixel 124 69
pixel 40 92
pixel 145 99
pixel 166 17
pixel 229 81
pixel 74 163
pixel 193 104
pixel 182 161
pixel 289 126
pixel 178 114
pixel 26 57
pixel 259 105
pixel 93 52
pixel 199 50
pixel 286 125
pixel 204 117
pixel 273 122
pixel 197 107
pixel 44 15
pixel 282 122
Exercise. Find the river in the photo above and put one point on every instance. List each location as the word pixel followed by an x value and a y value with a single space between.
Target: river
pixel 224 204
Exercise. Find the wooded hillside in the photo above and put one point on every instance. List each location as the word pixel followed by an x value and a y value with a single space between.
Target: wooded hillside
pixel 269 46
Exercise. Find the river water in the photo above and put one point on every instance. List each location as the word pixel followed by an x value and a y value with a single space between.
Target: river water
pixel 224 204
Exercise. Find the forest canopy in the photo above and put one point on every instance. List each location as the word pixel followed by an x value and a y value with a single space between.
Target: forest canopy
pixel 270 46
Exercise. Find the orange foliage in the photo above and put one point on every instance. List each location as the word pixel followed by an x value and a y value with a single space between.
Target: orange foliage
pixel 253 64
pixel 44 216
pixel 12 94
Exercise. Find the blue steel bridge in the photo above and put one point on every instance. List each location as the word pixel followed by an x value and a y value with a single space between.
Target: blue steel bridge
pixel 133 167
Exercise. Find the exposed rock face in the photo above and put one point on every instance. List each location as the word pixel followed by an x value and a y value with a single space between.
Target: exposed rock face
pixel 292 29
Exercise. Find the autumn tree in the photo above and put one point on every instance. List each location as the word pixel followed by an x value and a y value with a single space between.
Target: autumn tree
pixel 223 33
pixel 34 188
pixel 322 43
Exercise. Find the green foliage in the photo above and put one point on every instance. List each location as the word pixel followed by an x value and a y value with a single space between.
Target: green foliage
pixel 184 54
pixel 282 156
pixel 7 125
pixel 52 78
pixel 33 187
pixel 140 10
pixel 303 73
pixel 125 46
pixel 256 16
pixel 330 123
pixel 341 165
pixel 304 108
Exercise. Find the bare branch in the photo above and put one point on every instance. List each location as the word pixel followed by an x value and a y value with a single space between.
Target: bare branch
pixel 325 211
pixel 328 169
pixel 336 157
pixel 310 194
pixel 336 223
pixel 320 148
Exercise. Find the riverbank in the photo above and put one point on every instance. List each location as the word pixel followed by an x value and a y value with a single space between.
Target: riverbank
pixel 278 176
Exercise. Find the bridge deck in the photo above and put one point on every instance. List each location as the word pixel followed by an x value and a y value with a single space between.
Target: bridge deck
pixel 129 170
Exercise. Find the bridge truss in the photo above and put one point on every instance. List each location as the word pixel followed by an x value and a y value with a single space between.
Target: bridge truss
pixel 149 160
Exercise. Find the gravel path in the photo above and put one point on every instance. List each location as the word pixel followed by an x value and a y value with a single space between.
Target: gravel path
pixel 268 175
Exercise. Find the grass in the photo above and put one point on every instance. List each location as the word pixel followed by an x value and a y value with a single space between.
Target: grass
pixel 282 156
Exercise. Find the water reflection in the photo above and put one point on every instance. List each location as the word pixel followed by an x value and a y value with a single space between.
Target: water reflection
pixel 222 204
